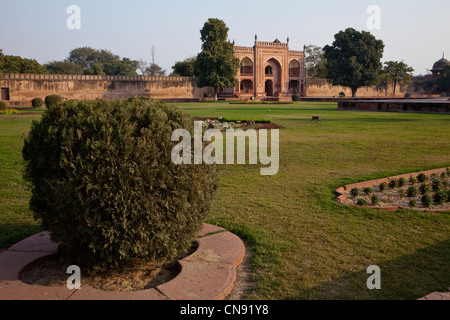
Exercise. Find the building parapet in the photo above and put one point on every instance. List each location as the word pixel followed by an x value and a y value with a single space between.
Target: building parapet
pixel 317 81
pixel 271 44
pixel 246 49
pixel 61 77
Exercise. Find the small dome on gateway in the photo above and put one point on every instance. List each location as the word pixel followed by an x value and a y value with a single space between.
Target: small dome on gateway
pixel 277 41
pixel 440 64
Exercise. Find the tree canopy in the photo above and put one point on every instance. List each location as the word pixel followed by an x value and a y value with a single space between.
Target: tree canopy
pixel 101 62
pixel 315 62
pixel 155 70
pixel 184 68
pixel 216 65
pixel 16 64
pixel 63 67
pixel 354 59
pixel 397 72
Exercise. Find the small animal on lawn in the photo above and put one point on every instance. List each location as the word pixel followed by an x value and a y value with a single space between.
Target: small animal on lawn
pixel 316 119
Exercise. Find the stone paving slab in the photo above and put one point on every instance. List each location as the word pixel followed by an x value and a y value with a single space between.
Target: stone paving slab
pixel 215 281
pixel 40 242
pixel 209 275
pixel 18 290
pixel 18 256
pixel 437 296
pixel 12 262
pixel 208 229
pixel 88 293
pixel 222 247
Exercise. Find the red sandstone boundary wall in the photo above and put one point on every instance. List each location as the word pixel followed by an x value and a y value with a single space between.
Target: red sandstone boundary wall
pixel 317 87
pixel 22 88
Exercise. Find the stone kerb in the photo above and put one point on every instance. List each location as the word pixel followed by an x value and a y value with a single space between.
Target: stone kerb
pixel 341 194
pixel 208 274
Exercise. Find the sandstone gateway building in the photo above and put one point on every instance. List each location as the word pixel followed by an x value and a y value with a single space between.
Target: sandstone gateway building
pixel 268 71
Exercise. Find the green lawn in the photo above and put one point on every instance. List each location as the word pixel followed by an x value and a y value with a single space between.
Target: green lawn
pixel 305 245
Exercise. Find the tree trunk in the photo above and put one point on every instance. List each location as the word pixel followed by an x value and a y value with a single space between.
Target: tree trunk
pixel 395 87
pixel 354 92
pixel 215 94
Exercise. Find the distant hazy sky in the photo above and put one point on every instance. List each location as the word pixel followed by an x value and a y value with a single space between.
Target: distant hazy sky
pixel 415 31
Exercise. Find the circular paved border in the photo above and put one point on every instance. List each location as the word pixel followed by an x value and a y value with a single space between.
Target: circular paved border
pixel 208 274
pixel 342 195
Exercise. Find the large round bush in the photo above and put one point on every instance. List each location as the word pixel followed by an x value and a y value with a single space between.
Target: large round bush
pixel 52 100
pixel 103 182
pixel 37 102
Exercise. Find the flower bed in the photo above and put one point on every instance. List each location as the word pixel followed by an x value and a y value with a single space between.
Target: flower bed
pixel 426 191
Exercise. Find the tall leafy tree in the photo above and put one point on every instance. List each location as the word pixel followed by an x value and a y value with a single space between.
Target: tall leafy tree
pixel 397 72
pixel 100 62
pixel 155 70
pixel 315 62
pixel 16 64
pixel 124 67
pixel 63 67
pixel 184 68
pixel 95 69
pixel 216 65
pixel 354 59
pixel 85 57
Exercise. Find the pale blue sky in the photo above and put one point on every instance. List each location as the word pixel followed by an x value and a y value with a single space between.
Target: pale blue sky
pixel 415 31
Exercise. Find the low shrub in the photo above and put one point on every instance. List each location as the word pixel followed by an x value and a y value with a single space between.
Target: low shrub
pixel 9 111
pixel 412 180
pixel 411 192
pixel 368 191
pixel 413 203
pixel 440 197
pixel 295 97
pixel 401 182
pixel 436 185
pixel 448 195
pixel 37 102
pixel 362 202
pixel 393 183
pixel 427 200
pixel 52 100
pixel 382 186
pixel 422 177
pixel 104 184
pixel 424 188
pixel 375 200
pixel 354 192
pixel 3 105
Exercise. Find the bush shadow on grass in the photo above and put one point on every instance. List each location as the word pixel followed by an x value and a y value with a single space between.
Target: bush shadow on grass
pixel 11 233
pixel 409 277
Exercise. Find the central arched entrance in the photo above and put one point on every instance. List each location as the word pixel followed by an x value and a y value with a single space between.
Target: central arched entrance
pixel 273 78
pixel 269 88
